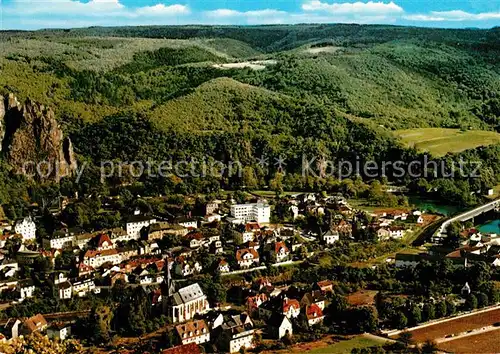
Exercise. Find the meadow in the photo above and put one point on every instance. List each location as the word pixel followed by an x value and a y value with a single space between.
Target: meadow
pixel 441 141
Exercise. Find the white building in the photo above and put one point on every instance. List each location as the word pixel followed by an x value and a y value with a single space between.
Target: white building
pixel 59 241
pixel 247 257
pixel 59 331
pixel 187 302
pixel 136 223
pixel 26 288
pixel 240 330
pixel 259 212
pixel 193 332
pixel 26 227
pixel 65 290
pixel 97 258
pixel 330 237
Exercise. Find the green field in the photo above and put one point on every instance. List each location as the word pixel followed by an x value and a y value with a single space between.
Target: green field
pixel 348 345
pixel 440 141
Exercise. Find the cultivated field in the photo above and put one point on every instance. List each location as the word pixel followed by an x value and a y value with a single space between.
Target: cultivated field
pixel 488 342
pixel 255 65
pixel 440 141
pixel 457 326
pixel 317 50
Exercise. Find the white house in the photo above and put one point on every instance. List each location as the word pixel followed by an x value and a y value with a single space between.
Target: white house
pixel 259 212
pixel 330 237
pixel 136 223
pixel 65 290
pixel 59 331
pixel 26 288
pixel 247 257
pixel 97 258
pixel 314 314
pixel 240 330
pixel 281 251
pixel 223 267
pixel 26 227
pixel 193 332
pixel 188 223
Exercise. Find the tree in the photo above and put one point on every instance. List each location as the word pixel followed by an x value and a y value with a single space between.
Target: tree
pixel 471 302
pixel 415 315
pixel 406 338
pixel 428 312
pixel 400 320
pixel 429 347
pixel 441 309
pixel 482 300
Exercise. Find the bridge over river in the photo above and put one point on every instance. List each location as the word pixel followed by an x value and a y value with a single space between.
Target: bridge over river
pixel 441 231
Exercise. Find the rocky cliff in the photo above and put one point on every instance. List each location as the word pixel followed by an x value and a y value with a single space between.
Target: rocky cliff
pixel 32 141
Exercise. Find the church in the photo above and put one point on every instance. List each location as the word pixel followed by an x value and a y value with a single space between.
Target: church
pixel 183 304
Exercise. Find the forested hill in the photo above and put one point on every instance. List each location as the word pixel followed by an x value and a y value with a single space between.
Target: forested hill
pixel 329 91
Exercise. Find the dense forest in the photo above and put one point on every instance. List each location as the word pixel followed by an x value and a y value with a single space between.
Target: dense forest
pixel 328 92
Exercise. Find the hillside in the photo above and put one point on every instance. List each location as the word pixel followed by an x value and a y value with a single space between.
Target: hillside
pixel 397 77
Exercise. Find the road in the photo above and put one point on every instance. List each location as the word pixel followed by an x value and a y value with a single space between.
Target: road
pixel 441 232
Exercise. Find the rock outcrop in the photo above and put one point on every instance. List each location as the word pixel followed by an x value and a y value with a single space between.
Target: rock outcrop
pixel 32 141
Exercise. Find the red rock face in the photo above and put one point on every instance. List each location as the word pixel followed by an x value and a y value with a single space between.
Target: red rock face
pixel 32 141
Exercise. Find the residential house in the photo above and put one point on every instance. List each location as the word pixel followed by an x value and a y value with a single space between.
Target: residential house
pixel 314 314
pixel 59 331
pixel 102 242
pixel 325 286
pixel 193 332
pixel 281 251
pixel 65 290
pixel 26 288
pixel 223 267
pixel 383 233
pixel 330 237
pixel 60 239
pixel 96 259
pixel 191 348
pixel 235 334
pixel 247 257
pixel 13 328
pixel 159 230
pixel 253 302
pixel 188 223
pixel 291 308
pixel 314 297
pixel 35 323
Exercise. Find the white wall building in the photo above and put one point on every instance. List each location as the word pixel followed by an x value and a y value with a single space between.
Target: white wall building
pixel 136 223
pixel 187 302
pixel 193 332
pixel 260 212
pixel 26 227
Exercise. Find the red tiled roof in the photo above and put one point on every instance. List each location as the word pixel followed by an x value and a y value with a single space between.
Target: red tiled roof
pixel 252 227
pixel 242 252
pixel 290 303
pixel 92 254
pixel 100 239
pixel 190 348
pixel 280 245
pixel 313 311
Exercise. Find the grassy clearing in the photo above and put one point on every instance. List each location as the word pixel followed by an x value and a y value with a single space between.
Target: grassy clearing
pixel 348 345
pixel 440 141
